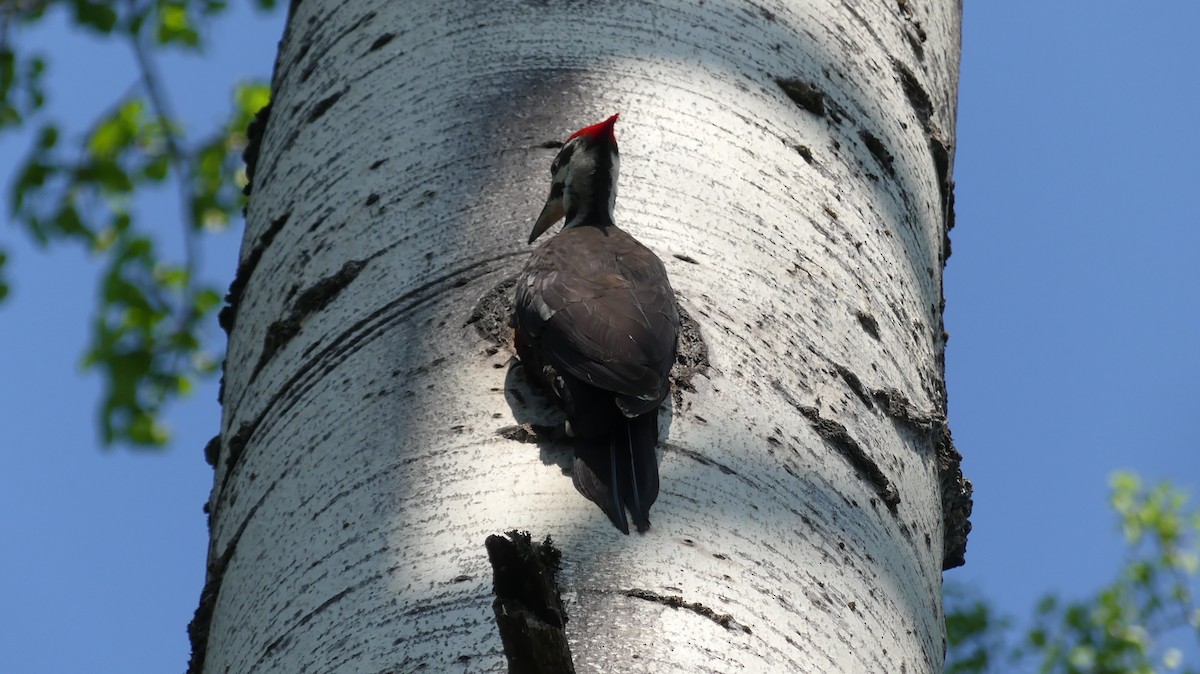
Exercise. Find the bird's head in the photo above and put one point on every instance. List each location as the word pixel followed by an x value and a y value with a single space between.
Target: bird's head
pixel 583 179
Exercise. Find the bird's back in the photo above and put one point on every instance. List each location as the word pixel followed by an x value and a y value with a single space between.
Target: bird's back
pixel 598 305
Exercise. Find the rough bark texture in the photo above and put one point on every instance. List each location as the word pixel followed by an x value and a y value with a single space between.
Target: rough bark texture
pixel 789 161
pixel 528 607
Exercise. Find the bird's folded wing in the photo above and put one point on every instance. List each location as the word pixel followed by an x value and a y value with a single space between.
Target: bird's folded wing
pixel 601 308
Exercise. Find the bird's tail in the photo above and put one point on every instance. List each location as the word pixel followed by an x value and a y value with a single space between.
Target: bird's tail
pixel 621 471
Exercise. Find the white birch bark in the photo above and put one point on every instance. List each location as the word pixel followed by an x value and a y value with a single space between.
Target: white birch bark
pixel 360 469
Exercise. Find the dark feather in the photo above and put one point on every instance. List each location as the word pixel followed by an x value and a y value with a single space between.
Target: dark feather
pixel 596 478
pixel 595 310
pixel 599 305
pixel 620 470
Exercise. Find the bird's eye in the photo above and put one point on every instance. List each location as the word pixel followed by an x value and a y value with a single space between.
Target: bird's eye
pixel 563 158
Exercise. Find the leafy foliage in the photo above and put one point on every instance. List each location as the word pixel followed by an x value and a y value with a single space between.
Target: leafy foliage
pixel 975 635
pixel 1134 625
pixel 147 336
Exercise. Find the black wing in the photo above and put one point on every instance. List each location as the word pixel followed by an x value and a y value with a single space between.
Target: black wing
pixel 599 306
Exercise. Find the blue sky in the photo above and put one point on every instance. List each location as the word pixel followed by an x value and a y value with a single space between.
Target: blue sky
pixel 1071 304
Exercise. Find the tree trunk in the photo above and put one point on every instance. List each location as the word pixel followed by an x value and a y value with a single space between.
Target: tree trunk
pixel 790 162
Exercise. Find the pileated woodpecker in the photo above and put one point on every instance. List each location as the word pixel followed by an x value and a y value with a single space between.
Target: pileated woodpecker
pixel 596 323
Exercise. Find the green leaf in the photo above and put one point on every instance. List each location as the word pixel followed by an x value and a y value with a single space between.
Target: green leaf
pixel 212 7
pixel 249 98
pixel 1037 638
pixel 68 223
pixel 1082 657
pixel 1047 604
pixel 206 301
pixel 98 16
pixel 30 178
pixel 156 169
pixel 105 176
pixel 146 430
pixel 3 284
pixel 8 70
pixel 147 338
pixel 175 26
pixel 47 137
pixel 170 277
pixel 118 131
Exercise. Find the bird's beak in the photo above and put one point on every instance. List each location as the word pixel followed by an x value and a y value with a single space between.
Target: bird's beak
pixel 552 212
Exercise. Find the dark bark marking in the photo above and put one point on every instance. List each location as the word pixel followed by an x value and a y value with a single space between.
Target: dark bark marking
pixel 916 94
pixel 305 45
pixel 914 31
pixel 939 147
pixel 492 313
pixel 279 333
pixel 532 433
pixel 290 140
pixel 879 151
pixel 286 638
pixel 376 164
pixel 373 199
pixel 914 36
pixel 323 106
pixel 311 301
pixel 349 340
pixel 941 160
pixel 868 323
pixel 381 41
pixel 675 601
pixel 691 358
pixel 228 314
pixel 685 258
pixel 201 623
pixel 529 610
pixel 308 70
pixel 254 137
pixel 804 151
pixel 956 490
pixel 855 385
pixel 237 444
pixel 836 434
pixel 212 451
pixel 697 457
pixel 322 292
pixel 957 501
pixel 357 25
pixel 921 34
pixel 804 94
pixel 895 405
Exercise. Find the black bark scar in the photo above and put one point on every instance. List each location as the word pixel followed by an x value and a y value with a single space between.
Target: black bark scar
pixel 675 601
pixel 837 435
pixel 528 607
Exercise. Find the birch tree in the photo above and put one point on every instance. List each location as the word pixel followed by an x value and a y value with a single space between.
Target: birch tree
pixel 790 162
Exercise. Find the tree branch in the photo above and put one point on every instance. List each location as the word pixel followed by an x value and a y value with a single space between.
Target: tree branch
pixel 176 154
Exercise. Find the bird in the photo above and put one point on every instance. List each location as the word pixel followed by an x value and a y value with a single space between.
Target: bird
pixel 596 324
